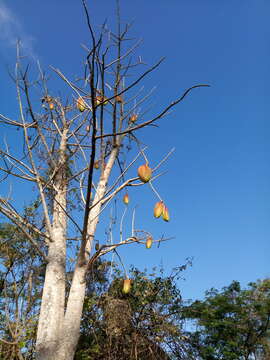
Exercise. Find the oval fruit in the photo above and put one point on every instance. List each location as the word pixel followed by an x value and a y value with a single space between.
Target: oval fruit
pixel 133 118
pixel 126 199
pixel 101 99
pixel 149 242
pixel 80 105
pixel 158 209
pixel 119 99
pixel 144 173
pixel 126 286
pixel 165 214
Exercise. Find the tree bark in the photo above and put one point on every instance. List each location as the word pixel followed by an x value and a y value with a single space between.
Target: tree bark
pixel 71 329
pixel 53 298
pixel 52 306
pixel 71 326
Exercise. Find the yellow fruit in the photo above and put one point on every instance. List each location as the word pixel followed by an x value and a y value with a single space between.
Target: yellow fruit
pixel 81 105
pixel 101 99
pixel 126 199
pixel 133 118
pixel 144 173
pixel 165 214
pixel 126 286
pixel 149 242
pixel 51 106
pixel 158 209
pixel 96 164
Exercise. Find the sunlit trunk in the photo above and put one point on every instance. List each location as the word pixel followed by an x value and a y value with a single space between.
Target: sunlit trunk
pixel 73 315
pixel 53 298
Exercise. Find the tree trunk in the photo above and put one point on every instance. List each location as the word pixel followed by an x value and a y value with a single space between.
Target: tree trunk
pixel 52 305
pixel 53 298
pixel 71 329
pixel 71 326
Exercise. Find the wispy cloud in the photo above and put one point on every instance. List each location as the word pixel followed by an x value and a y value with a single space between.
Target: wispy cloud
pixel 11 30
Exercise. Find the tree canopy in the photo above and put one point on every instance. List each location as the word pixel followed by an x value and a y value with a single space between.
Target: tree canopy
pixel 233 323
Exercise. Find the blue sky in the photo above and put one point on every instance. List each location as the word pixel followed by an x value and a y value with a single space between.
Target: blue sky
pixel 217 182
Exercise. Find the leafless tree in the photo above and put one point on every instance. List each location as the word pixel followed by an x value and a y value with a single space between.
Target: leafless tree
pixel 74 152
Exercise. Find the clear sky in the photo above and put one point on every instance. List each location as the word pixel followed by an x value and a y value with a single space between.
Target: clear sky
pixel 217 185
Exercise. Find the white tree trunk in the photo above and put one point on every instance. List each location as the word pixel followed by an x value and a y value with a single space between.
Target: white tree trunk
pixel 52 306
pixel 71 329
pixel 73 314
pixel 53 298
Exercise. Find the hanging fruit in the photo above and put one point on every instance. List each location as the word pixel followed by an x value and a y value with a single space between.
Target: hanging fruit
pixel 51 106
pixel 101 99
pixel 96 164
pixel 126 286
pixel 80 104
pixel 144 173
pixel 133 118
pixel 149 242
pixel 126 199
pixel 158 209
pixel 165 214
pixel 119 99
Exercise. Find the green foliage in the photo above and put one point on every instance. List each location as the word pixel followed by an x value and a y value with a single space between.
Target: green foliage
pixel 233 323
pixel 20 291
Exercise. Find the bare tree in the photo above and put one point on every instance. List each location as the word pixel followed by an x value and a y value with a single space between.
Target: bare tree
pixel 76 151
